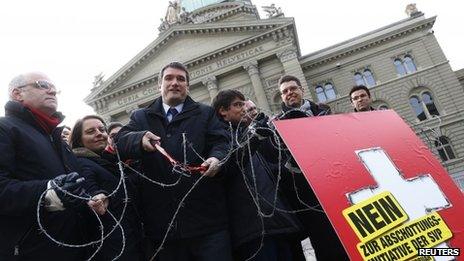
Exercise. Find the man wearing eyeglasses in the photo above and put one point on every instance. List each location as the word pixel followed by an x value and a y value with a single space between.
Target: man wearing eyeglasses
pixel 291 93
pixel 33 160
pixel 250 111
pixel 294 185
pixel 360 98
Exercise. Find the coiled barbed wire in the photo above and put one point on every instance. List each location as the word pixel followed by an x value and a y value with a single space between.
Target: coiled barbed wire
pixel 238 142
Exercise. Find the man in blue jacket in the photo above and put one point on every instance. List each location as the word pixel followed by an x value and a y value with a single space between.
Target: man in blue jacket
pixel 34 159
pixel 190 133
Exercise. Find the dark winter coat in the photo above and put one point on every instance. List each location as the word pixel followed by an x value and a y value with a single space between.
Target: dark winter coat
pixel 29 158
pixel 242 191
pixel 102 176
pixel 204 210
pixel 297 190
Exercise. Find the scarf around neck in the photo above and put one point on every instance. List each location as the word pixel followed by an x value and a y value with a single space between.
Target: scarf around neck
pixel 47 122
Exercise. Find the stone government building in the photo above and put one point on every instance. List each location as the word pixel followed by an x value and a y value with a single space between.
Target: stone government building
pixel 226 45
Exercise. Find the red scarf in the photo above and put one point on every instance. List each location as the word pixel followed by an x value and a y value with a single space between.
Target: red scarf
pixel 46 122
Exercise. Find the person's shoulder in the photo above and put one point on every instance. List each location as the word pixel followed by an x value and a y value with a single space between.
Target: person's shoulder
pixel 3 120
pixel 89 162
pixel 205 106
pixel 5 124
pixel 139 113
pixel 202 106
pixel 9 122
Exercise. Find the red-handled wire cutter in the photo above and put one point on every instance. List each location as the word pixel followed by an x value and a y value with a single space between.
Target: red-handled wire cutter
pixel 174 162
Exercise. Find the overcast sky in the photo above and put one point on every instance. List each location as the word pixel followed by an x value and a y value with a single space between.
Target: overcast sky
pixel 72 41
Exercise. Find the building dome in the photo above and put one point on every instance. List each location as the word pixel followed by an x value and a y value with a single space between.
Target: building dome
pixel 191 5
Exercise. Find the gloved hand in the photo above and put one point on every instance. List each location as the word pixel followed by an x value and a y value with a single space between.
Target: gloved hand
pixel 324 108
pixel 293 114
pixel 261 125
pixel 71 183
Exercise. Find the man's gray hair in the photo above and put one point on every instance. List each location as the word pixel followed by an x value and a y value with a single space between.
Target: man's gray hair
pixel 17 81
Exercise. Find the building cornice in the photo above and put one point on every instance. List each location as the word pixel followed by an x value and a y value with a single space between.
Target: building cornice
pixel 277 29
pixel 366 41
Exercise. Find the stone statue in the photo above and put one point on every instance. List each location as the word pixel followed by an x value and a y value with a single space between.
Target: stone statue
pixel 172 14
pixel 184 16
pixel 272 11
pixel 411 10
pixel 98 80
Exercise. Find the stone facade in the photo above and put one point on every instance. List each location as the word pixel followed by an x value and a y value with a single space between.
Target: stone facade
pixel 228 46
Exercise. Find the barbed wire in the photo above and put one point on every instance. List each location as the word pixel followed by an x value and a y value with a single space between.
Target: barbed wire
pixel 240 142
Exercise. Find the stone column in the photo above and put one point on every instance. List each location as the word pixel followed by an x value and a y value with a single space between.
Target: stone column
pixel 252 69
pixel 289 59
pixel 211 84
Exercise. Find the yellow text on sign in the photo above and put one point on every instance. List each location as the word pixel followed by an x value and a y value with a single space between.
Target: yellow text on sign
pixel 403 242
pixel 374 216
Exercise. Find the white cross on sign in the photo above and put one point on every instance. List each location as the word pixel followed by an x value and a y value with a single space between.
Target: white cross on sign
pixel 418 196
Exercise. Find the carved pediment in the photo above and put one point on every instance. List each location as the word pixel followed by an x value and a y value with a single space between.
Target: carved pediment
pixel 182 50
pixel 185 44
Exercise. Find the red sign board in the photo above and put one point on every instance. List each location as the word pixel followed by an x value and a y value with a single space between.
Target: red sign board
pixel 374 160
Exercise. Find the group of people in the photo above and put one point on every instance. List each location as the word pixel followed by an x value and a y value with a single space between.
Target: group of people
pixel 181 181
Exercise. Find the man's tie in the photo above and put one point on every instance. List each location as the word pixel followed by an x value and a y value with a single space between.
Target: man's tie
pixel 173 112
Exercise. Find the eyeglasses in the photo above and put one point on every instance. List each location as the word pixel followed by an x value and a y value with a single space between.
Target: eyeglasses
pixel 252 109
pixel 290 89
pixel 42 85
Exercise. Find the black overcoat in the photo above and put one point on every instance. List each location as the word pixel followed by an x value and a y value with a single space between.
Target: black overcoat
pixel 29 158
pixel 204 210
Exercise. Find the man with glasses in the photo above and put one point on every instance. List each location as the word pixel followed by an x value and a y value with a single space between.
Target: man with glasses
pixel 291 93
pixel 250 111
pixel 294 185
pixel 250 176
pixel 34 159
pixel 360 98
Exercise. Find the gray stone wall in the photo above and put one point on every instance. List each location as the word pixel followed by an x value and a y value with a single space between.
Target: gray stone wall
pixel 434 74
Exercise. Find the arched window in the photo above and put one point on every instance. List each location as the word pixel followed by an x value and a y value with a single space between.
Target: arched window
pixel 358 78
pixel 325 93
pixel 399 67
pixel 329 91
pixel 369 78
pixel 409 64
pixel 429 104
pixel 416 105
pixel 365 78
pixel 405 65
pixel 444 148
pixel 424 107
pixel 320 94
